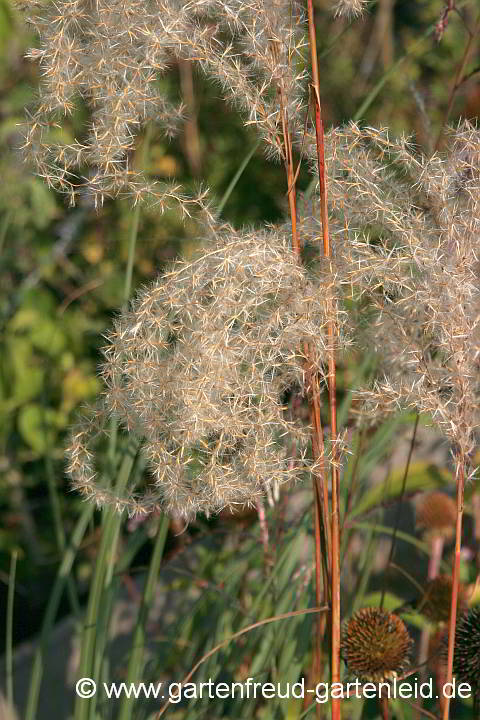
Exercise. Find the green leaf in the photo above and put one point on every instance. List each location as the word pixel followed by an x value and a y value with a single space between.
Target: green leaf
pixel 391 602
pixel 44 333
pixel 38 426
pixel 78 385
pixel 44 208
pixel 28 378
pixel 422 476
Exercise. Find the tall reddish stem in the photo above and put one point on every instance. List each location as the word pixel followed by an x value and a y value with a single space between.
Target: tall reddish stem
pixel 455 576
pixel 332 390
pixel 319 484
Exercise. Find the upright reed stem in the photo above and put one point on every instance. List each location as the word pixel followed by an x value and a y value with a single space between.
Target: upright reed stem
pixel 335 520
pixel 459 79
pixel 455 576
pixel 319 484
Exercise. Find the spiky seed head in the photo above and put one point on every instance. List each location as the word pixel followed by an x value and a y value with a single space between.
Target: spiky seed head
pixel 436 601
pixel 466 660
pixel 436 514
pixel 350 8
pixel 375 645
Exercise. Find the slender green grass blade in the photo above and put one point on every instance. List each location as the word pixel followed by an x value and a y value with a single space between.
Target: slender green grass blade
pixel 9 627
pixel 388 74
pixel 111 522
pixel 52 608
pixel 59 531
pixel 136 662
pixel 422 476
pixel 236 177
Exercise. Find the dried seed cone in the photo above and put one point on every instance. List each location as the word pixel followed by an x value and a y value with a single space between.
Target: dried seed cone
pixel 437 514
pixel 437 599
pixel 376 645
pixel 466 661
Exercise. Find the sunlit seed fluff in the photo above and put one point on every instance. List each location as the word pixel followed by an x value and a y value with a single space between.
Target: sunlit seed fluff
pixel 414 230
pixel 436 601
pixel 199 366
pixel 375 645
pixel 350 8
pixel 110 53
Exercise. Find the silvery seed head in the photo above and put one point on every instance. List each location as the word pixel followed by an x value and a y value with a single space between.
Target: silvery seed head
pixel 201 362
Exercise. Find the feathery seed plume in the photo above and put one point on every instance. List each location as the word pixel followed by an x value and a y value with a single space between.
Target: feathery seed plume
pixel 199 365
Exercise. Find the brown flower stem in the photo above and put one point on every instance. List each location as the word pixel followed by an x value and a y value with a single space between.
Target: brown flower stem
pixel 322 541
pixel 320 625
pixel 313 391
pixel 459 78
pixel 262 519
pixel 383 702
pixel 319 484
pixel 399 506
pixel 191 138
pixel 455 576
pixel 291 192
pixel 332 390
pixel 436 552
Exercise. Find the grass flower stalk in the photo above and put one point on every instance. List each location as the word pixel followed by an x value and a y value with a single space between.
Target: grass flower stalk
pixel 136 662
pixel 332 391
pixel 112 522
pixel 63 573
pixel 9 628
pixel 460 480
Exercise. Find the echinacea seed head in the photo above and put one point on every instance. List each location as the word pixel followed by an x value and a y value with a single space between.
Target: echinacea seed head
pixel 436 601
pixel 466 661
pixel 375 645
pixel 436 514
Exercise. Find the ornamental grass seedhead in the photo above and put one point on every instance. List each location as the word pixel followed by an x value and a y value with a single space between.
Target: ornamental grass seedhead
pixel 436 514
pixel 350 8
pixel 199 367
pixel 436 601
pixel 466 661
pixel 109 54
pixel 414 231
pixel 375 645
